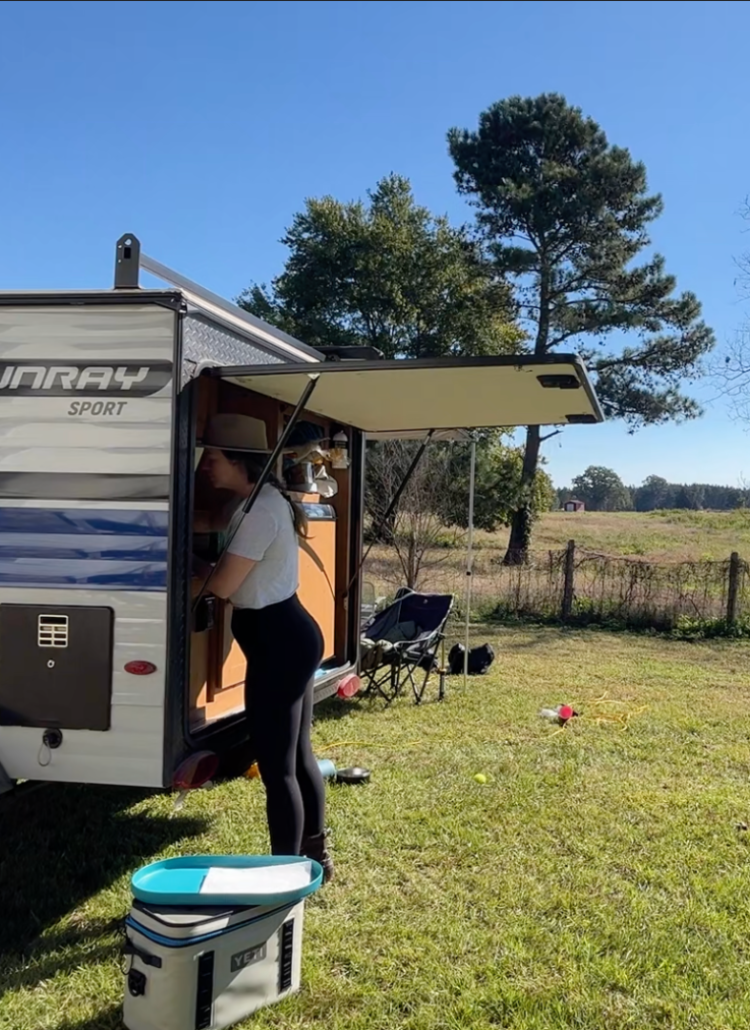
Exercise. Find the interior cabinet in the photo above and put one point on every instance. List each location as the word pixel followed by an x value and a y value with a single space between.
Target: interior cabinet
pixel 217 670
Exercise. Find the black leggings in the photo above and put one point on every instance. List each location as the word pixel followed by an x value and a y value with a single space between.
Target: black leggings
pixel 283 647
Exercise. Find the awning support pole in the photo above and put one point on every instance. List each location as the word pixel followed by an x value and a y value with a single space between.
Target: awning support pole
pixel 470 552
pixel 267 469
pixel 391 507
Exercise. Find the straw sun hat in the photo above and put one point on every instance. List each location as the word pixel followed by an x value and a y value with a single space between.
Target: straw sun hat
pixel 236 433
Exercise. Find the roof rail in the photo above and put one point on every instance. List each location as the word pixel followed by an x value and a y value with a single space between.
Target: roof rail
pixel 351 353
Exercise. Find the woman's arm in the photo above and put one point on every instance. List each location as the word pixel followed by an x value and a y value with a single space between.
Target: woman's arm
pixel 230 574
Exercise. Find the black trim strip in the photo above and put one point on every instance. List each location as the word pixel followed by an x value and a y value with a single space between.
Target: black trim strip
pixel 356 525
pixel 82 486
pixel 343 367
pixel 165 298
pixel 176 715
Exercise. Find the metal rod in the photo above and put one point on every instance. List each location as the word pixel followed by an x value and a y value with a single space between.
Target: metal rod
pixel 267 469
pixel 470 553
pixel 391 507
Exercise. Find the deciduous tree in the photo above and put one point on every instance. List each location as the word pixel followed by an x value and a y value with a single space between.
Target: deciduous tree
pixel 601 489
pixel 387 274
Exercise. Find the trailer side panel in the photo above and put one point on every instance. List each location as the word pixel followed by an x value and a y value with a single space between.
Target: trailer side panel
pixel 85 463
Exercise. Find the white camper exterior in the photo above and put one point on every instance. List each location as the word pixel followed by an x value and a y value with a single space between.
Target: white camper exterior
pixel 101 399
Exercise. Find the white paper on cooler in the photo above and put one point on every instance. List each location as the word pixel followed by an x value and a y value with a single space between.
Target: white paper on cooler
pixel 272 879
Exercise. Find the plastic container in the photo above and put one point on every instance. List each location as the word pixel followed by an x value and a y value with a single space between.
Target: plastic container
pixel 327 768
pixel 210 880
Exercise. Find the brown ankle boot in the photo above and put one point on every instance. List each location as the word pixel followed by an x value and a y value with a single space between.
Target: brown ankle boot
pixel 315 848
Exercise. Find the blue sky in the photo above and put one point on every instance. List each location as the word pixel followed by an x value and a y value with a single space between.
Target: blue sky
pixel 203 126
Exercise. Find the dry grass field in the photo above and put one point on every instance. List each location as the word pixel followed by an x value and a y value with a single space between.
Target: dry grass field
pixel 688 552
pixel 661 536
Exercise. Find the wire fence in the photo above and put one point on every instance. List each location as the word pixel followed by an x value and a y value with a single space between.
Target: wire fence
pixel 581 587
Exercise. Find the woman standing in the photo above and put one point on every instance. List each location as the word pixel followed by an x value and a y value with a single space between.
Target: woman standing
pixel 283 645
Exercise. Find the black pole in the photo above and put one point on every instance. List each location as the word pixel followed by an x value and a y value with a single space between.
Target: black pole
pixel 267 468
pixel 391 507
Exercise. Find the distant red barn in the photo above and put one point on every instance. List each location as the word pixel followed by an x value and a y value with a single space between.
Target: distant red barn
pixel 574 506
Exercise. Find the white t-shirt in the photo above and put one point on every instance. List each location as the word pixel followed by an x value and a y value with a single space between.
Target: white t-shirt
pixel 266 535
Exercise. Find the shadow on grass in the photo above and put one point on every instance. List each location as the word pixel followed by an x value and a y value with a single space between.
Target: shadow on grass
pixel 62 845
pixel 108 1019
pixel 334 709
pixel 61 953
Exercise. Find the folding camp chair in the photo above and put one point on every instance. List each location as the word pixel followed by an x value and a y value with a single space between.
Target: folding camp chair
pixel 401 644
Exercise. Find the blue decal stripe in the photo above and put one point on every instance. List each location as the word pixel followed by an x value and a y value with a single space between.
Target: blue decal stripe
pixel 102 548
pixel 82 520
pixel 107 550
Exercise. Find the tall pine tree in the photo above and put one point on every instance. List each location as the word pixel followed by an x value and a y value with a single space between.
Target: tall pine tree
pixel 565 213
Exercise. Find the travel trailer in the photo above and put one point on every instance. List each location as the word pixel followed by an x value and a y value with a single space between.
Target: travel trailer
pixel 112 669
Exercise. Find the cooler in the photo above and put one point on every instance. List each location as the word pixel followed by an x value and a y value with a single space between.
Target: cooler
pixel 204 969
pixel 204 961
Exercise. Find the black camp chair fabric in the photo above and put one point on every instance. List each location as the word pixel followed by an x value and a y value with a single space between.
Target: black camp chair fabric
pixel 401 643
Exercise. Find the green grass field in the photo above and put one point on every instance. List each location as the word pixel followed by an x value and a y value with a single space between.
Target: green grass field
pixel 600 880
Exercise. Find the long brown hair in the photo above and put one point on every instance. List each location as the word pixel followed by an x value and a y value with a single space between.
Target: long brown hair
pixel 253 466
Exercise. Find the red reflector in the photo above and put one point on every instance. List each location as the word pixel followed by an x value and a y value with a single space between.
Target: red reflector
pixel 349 686
pixel 196 770
pixel 138 668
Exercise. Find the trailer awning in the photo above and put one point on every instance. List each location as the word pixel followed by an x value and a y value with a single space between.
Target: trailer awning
pixel 392 398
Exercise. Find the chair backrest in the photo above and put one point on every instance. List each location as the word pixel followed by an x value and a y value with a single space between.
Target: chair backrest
pixel 427 612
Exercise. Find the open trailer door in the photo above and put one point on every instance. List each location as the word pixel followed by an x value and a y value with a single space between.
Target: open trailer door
pixel 431 399
pixel 392 398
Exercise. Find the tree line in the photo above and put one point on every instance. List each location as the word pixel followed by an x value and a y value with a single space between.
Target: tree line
pixel 601 489
pixel 557 258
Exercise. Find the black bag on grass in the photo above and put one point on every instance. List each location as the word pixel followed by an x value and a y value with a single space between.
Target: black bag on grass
pixel 480 659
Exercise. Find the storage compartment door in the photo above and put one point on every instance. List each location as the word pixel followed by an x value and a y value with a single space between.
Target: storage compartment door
pixel 403 397
pixel 56 667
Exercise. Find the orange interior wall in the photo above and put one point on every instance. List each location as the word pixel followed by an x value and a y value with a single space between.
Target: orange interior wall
pixel 217 667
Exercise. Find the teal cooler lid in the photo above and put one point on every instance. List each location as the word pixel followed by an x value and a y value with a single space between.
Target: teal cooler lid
pixel 212 880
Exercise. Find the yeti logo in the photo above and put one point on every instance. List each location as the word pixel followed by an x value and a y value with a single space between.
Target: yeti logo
pixel 44 379
pixel 247 958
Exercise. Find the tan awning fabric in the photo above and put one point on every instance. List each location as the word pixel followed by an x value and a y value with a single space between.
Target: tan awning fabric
pixel 392 398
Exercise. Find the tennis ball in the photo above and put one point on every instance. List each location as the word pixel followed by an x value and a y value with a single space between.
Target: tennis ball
pixel 480 778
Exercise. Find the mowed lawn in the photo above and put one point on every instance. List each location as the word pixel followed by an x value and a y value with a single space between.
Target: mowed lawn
pixel 600 879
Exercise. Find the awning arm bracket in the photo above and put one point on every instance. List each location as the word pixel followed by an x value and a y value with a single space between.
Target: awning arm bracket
pixel 391 507
pixel 263 477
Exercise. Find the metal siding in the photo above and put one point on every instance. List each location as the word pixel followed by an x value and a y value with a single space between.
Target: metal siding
pixel 205 341
pixel 74 504
pixel 39 434
pixel 76 541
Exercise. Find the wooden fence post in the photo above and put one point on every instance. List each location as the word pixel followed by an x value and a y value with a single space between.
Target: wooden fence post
pixel 733 588
pixel 569 582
